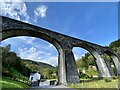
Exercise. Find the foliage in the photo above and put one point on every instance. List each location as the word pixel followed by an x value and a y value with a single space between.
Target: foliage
pixel 11 60
pixel 15 67
pixel 95 84
pixel 91 71
pixel 107 79
pixel 87 60
pixel 115 44
pixel 47 71
pixel 91 60
pixel 83 75
pixel 8 83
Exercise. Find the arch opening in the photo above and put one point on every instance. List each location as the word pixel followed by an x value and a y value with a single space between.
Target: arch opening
pixel 86 64
pixel 21 32
pixel 101 66
pixel 113 61
pixel 33 49
pixel 47 36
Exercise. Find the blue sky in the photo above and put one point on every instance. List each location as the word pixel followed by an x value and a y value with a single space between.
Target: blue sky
pixel 94 22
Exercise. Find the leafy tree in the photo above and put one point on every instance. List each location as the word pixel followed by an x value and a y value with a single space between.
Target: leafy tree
pixel 91 60
pixel 56 70
pixel 11 60
pixel 115 44
pixel 8 47
pixel 88 59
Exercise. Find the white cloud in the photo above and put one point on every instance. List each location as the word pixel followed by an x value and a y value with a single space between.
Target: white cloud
pixel 28 40
pixel 76 57
pixel 50 45
pixel 15 9
pixel 33 49
pixel 30 53
pixel 53 60
pixel 37 55
pixel 40 12
pixel 78 52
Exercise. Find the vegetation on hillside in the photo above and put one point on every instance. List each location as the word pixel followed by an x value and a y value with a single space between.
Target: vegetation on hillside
pixel 15 68
pixel 47 71
pixel 86 65
pixel 11 63
pixel 115 46
pixel 9 83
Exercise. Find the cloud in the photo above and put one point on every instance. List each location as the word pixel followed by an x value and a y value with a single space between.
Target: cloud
pixel 17 9
pixel 38 50
pixel 40 12
pixel 34 49
pixel 76 57
pixel 29 47
pixel 37 55
pixel 50 45
pixel 53 60
pixel 28 40
pixel 78 52
pixel 14 9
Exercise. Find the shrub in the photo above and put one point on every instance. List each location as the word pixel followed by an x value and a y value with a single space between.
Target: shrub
pixel 83 75
pixel 114 77
pixel 107 79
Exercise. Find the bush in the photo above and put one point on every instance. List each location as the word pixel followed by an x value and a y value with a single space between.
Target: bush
pixel 83 75
pixel 107 79
pixel 114 77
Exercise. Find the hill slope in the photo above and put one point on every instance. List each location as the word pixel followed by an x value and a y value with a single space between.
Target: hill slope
pixel 40 65
pixel 44 69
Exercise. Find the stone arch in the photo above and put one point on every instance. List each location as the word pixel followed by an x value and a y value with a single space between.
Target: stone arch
pixel 9 33
pixel 99 60
pixel 63 43
pixel 93 55
pixel 115 60
pixel 23 32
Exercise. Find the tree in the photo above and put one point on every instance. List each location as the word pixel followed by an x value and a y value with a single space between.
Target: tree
pixel 8 47
pixel 91 60
pixel 56 70
pixel 115 44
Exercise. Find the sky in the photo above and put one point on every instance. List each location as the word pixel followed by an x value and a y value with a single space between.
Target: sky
pixel 95 22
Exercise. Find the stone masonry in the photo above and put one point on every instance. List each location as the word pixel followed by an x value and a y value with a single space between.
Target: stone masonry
pixel 67 71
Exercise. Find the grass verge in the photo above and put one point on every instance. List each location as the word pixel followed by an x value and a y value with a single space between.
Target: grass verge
pixel 96 84
pixel 7 83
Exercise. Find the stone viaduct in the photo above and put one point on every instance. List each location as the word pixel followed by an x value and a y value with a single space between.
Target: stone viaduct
pixel 67 69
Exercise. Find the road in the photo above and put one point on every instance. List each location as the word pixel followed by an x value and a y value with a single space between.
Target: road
pixel 46 86
pixel 52 87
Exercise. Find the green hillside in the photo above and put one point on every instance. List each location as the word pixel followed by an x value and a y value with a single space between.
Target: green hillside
pixel 16 69
pixel 9 83
pixel 47 71
pixel 39 64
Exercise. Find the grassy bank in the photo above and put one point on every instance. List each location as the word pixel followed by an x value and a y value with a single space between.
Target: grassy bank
pixel 7 83
pixel 95 84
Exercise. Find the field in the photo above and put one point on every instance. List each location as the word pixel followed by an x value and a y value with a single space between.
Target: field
pixel 113 83
pixel 8 83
